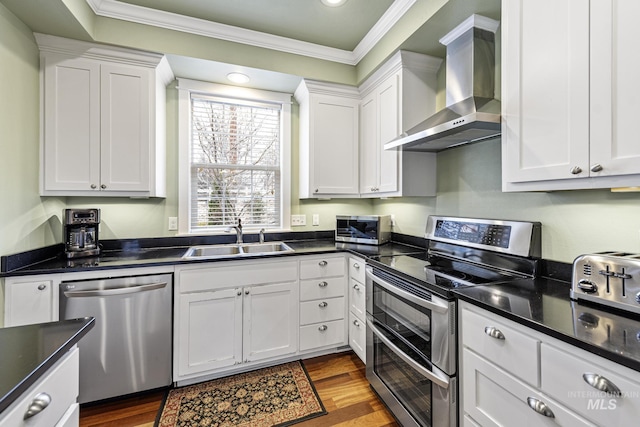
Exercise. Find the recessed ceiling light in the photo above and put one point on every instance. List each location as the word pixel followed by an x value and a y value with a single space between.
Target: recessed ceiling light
pixel 333 3
pixel 238 78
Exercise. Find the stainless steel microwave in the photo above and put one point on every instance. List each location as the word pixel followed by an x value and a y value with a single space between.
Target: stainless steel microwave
pixel 367 229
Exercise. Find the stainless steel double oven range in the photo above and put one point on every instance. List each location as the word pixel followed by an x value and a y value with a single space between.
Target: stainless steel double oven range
pixel 411 310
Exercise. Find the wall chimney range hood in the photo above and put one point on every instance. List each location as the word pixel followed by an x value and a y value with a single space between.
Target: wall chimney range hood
pixel 472 113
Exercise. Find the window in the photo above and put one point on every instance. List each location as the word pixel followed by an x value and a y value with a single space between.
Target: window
pixel 234 157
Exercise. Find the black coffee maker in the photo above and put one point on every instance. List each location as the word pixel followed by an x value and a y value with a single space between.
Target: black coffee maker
pixel 81 232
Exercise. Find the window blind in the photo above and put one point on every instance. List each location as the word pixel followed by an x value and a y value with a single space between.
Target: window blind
pixel 235 163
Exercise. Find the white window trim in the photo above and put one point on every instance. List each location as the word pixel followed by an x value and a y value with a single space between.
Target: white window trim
pixel 185 88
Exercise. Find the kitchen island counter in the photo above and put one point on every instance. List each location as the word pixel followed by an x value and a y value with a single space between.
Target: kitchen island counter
pixel 27 353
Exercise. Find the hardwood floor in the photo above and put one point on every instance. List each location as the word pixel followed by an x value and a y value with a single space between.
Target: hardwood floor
pixel 338 378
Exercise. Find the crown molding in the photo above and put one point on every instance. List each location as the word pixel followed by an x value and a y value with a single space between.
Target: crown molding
pixel 147 16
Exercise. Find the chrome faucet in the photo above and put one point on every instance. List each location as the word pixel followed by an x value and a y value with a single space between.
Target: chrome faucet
pixel 262 235
pixel 238 229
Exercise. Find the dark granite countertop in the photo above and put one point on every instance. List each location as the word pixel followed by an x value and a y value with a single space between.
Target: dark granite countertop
pixel 544 305
pixel 27 352
pixel 169 251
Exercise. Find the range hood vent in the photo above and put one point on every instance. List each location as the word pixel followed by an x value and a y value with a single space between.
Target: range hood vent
pixel 472 113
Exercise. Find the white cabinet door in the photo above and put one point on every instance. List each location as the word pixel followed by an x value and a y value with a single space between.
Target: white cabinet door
pixel 494 398
pixel 71 124
pixel 328 139
pixel 28 302
pixel 369 144
pixel 125 128
pixel 209 330
pixel 379 123
pixel 545 90
pixel 388 129
pixel 270 321
pixel 334 128
pixel 615 103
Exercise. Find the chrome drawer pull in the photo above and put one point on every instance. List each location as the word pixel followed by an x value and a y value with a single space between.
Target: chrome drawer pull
pixel 356 287
pixel 601 383
pixel 356 323
pixel 39 403
pixel 356 266
pixel 323 328
pixel 493 332
pixel 323 284
pixel 322 263
pixel 323 304
pixel 540 407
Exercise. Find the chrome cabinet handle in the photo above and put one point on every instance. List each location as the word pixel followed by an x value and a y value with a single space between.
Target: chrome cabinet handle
pixel 323 263
pixel 494 332
pixel 93 186
pixel 246 291
pixel 576 170
pixel 356 287
pixel 323 304
pixel 601 383
pixel 356 323
pixel 596 168
pixel 323 284
pixel 322 328
pixel 38 404
pixel 42 287
pixel 540 407
pixel 103 186
pixel 356 266
pixel 239 292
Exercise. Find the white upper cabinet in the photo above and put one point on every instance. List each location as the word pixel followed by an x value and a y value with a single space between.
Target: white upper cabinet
pixel 103 120
pixel 399 95
pixel 328 139
pixel 569 94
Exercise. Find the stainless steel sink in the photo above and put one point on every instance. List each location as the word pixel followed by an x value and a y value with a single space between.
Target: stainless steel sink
pixel 235 250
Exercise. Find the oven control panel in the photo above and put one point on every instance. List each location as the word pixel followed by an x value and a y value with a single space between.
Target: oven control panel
pixel 608 278
pixel 512 237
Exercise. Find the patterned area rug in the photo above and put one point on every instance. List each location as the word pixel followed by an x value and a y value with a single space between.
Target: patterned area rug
pixel 277 396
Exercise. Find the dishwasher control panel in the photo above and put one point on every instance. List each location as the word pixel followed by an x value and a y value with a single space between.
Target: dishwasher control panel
pixel 608 278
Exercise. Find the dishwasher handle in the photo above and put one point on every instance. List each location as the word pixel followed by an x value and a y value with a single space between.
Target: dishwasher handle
pixel 115 291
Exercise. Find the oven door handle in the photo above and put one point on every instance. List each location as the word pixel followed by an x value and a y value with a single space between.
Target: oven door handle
pixel 437 306
pixel 438 379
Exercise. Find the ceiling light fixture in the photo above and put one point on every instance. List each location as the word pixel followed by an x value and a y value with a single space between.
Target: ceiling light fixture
pixel 238 78
pixel 333 3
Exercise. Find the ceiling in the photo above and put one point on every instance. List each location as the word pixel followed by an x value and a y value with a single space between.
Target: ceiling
pixel 343 34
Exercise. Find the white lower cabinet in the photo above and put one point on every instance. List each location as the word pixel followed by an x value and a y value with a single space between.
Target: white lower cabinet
pixel 61 384
pixel 233 313
pixel 323 311
pixel 29 300
pixel 357 307
pixel 510 372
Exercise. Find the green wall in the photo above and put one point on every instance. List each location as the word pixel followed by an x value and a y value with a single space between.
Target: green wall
pixel 574 222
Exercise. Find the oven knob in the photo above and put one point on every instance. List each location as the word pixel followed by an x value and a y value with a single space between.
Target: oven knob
pixel 587 286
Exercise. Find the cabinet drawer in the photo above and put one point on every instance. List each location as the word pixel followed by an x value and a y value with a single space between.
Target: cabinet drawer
pixel 356 269
pixel 60 383
pixel 322 310
pixel 357 298
pixel 235 274
pixel 562 378
pixel 358 336
pixel 494 398
pixel 322 288
pixel 322 267
pixel 515 352
pixel 322 335
pixel 28 302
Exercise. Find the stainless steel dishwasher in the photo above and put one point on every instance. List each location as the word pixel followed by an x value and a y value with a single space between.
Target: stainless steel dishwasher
pixel 129 349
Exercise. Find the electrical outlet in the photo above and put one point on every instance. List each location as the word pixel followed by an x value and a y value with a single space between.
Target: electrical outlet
pixel 297 220
pixel 316 219
pixel 173 223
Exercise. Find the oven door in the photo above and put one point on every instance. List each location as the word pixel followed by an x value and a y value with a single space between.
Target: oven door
pixel 417 393
pixel 408 329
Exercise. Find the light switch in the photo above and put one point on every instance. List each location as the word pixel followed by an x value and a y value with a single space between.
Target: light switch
pixel 316 219
pixel 173 223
